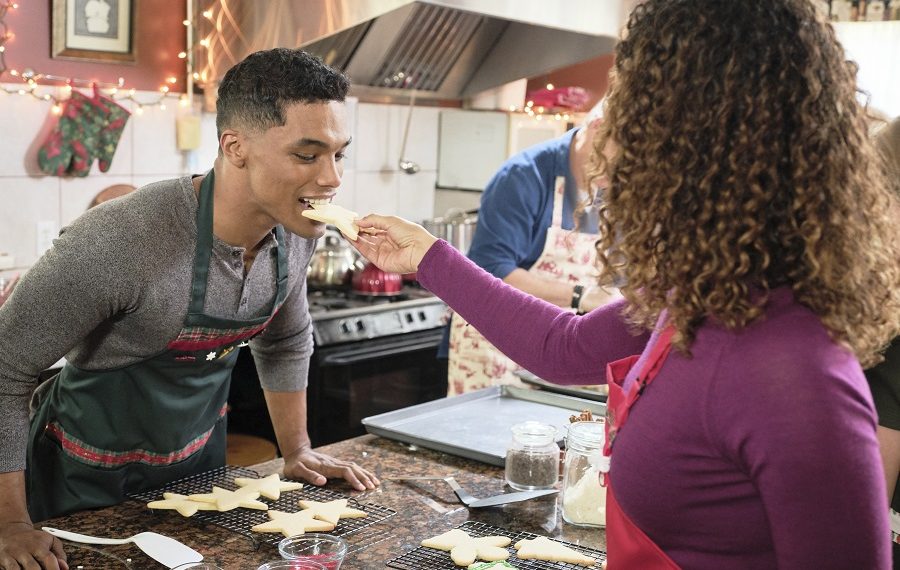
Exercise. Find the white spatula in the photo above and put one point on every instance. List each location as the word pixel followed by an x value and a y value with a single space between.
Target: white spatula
pixel 163 549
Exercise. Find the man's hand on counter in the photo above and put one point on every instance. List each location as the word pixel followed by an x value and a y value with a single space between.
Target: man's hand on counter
pixel 288 413
pixel 314 467
pixel 22 546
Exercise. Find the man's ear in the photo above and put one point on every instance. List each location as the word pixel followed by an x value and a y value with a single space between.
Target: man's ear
pixel 233 147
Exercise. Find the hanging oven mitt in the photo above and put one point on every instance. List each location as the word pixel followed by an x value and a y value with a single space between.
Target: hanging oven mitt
pixel 113 122
pixel 69 149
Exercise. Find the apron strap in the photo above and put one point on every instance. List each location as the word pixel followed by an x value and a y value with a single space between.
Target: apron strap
pixel 204 245
pixel 203 252
pixel 655 360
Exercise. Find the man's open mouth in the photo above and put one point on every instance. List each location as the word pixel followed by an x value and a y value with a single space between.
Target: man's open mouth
pixel 310 202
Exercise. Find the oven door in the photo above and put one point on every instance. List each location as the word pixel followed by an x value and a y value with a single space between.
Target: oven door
pixel 351 381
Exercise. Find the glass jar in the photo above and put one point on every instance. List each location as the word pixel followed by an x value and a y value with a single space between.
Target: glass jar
pixel 583 498
pixel 532 459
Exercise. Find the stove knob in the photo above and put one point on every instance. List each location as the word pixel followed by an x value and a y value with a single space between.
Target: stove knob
pixel 360 326
pixel 345 328
pixel 409 318
pixel 422 316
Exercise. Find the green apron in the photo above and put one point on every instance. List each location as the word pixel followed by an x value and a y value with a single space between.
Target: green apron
pixel 98 435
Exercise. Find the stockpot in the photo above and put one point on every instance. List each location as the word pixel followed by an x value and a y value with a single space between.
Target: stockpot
pixel 456 227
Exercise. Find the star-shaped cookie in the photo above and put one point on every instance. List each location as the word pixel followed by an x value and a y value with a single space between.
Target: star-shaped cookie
pixel 269 487
pixel 180 503
pixel 465 549
pixel 332 511
pixel 226 500
pixel 542 548
pixel 292 524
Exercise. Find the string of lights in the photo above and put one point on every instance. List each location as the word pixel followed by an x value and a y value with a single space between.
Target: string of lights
pixel 33 80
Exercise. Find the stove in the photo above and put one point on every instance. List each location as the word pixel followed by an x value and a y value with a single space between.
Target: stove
pixel 341 316
pixel 372 354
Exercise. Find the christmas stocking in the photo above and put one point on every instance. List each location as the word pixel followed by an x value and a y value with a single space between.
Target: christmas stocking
pixel 69 149
pixel 114 118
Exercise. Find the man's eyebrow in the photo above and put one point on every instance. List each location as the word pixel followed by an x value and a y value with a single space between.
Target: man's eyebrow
pixel 318 143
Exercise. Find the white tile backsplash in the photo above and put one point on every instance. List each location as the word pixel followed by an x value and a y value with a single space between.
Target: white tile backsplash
pixel 146 153
pixel 422 146
pixel 376 192
pixel 203 158
pixel 154 135
pixel 36 200
pixel 415 195
pixel 346 194
pixel 376 143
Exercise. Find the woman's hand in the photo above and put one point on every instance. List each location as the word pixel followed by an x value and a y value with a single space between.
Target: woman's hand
pixel 392 243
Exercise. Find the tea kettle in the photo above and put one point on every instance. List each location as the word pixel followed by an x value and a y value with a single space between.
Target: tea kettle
pixel 332 264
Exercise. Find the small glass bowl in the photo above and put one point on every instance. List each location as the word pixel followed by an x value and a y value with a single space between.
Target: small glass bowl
pixel 291 565
pixel 326 549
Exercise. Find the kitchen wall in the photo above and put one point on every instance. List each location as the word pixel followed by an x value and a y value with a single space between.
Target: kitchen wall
pixel 36 205
pixel 159 36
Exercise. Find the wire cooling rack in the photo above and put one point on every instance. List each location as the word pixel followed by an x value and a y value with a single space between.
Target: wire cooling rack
pixel 434 559
pixel 240 520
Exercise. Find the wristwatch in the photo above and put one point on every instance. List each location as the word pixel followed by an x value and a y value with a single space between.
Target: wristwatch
pixel 577 292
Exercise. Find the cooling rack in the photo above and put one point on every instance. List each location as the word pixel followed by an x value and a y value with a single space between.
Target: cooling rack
pixel 434 559
pixel 241 520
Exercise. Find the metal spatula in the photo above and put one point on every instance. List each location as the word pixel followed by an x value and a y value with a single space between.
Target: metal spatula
pixel 470 501
pixel 163 549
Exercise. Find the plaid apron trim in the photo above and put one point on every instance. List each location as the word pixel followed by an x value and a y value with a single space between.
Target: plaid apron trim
pixel 96 457
pixel 205 338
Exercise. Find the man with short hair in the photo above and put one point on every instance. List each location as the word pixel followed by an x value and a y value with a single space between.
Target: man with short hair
pixel 149 296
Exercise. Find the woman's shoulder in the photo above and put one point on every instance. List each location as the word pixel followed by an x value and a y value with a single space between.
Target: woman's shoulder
pixel 788 346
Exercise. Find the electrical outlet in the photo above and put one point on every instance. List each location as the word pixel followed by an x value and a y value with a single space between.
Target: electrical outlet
pixel 47 231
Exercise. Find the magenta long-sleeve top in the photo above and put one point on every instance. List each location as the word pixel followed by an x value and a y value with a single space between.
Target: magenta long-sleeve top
pixel 756 451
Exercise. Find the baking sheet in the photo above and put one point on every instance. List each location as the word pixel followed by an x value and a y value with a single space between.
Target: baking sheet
pixel 477 425
pixel 597 393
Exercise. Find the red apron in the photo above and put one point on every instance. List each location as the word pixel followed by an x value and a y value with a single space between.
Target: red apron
pixel 627 546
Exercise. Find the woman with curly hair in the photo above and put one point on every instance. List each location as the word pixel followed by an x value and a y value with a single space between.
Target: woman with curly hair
pixel 751 222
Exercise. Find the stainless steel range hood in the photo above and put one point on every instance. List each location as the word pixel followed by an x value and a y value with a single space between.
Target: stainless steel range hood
pixel 439 49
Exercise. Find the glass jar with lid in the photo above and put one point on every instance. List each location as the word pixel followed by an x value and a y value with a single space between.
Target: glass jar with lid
pixel 583 498
pixel 532 459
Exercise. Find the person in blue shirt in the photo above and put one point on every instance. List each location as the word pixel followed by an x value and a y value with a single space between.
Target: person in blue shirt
pixel 527 235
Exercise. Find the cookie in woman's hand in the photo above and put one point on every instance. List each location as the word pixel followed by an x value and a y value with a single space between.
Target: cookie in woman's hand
pixel 338 216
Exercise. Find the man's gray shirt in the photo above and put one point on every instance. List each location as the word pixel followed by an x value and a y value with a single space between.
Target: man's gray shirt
pixel 114 290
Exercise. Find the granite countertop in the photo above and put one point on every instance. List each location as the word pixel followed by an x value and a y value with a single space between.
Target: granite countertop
pixel 424 509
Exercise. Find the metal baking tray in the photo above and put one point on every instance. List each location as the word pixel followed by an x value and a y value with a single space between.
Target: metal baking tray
pixel 477 425
pixel 598 392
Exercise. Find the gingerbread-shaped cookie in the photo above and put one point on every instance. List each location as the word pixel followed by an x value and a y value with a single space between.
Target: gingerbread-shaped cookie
pixel 465 549
pixel 542 548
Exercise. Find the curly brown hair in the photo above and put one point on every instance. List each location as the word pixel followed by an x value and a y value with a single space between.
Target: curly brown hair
pixel 737 161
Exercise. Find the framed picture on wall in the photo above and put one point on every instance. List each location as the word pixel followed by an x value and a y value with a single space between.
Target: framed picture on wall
pixel 93 30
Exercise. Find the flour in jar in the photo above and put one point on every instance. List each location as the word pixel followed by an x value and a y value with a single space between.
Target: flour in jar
pixel 585 501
